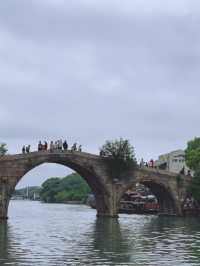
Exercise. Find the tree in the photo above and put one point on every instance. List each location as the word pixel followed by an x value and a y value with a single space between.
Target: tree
pixel 49 189
pixel 3 148
pixel 72 187
pixel 194 188
pixel 192 156
pixel 192 153
pixel 120 156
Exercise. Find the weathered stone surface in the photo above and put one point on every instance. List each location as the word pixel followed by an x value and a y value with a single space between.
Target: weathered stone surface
pixel 94 170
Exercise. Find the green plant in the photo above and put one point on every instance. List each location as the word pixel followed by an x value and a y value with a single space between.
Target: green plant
pixel 179 180
pixel 192 156
pixel 194 187
pixel 120 156
pixel 3 148
pixel 192 153
pixel 71 187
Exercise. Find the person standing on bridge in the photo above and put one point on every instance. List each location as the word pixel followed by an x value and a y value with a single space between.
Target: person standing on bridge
pixel 60 144
pixel 28 148
pixel 56 145
pixel 52 147
pixel 182 172
pixel 39 146
pixel 141 163
pixel 74 148
pixel 65 145
pixel 23 149
pixel 151 163
pixel 45 146
pixel 80 148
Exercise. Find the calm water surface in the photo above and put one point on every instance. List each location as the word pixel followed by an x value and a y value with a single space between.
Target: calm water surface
pixel 50 234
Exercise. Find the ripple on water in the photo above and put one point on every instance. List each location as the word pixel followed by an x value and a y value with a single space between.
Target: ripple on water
pixel 52 234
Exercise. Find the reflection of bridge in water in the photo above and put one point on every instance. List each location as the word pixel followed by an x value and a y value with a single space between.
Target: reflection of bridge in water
pixel 94 169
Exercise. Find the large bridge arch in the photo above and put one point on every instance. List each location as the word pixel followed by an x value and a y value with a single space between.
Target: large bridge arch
pixel 87 173
pixel 88 166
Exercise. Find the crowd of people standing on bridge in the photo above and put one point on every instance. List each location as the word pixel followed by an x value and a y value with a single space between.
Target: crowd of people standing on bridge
pixel 26 149
pixel 152 164
pixel 58 145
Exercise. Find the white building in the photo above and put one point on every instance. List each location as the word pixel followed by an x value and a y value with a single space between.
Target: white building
pixel 173 162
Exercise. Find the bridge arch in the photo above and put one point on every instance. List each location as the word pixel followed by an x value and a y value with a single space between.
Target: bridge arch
pixel 87 174
pixel 87 166
pixel 165 198
pixel 162 185
pixel 95 170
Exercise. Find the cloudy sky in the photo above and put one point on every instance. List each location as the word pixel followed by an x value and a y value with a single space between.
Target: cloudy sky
pixel 91 70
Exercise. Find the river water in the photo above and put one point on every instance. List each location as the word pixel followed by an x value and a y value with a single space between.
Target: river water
pixel 57 234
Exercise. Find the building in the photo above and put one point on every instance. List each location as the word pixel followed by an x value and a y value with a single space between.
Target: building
pixel 173 162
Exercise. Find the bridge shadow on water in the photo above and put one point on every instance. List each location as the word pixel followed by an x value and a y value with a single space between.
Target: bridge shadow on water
pixel 130 240
pixel 101 244
pixel 6 255
pixel 109 241
pixel 11 246
pixel 3 241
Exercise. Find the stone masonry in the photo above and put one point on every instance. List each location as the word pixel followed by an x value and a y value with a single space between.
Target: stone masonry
pixel 94 169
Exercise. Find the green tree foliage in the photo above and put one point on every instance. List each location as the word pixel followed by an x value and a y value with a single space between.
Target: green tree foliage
pixel 3 149
pixel 192 156
pixel 194 188
pixel 192 153
pixel 120 156
pixel 49 189
pixel 179 180
pixel 70 188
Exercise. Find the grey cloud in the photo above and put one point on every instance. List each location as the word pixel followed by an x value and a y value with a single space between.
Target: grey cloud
pixel 91 71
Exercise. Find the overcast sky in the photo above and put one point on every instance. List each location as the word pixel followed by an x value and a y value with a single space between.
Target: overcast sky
pixel 91 70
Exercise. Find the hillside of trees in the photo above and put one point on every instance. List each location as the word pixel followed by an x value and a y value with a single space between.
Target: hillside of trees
pixel 61 190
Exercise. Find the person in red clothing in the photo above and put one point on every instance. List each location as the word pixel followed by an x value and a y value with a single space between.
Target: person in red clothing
pixel 151 163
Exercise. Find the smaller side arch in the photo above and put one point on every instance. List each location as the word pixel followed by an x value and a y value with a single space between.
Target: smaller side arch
pixel 166 200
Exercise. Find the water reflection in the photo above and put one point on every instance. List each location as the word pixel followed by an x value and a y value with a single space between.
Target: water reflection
pixel 177 238
pixel 7 252
pixel 166 240
pixel 109 241
pixel 3 242
pixel 42 234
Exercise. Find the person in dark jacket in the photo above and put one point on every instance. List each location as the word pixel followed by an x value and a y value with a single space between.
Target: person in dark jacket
pixel 65 145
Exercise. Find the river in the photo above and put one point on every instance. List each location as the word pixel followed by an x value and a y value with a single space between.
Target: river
pixel 58 234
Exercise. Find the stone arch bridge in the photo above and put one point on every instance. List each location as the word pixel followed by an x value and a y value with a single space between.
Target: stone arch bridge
pixel 94 169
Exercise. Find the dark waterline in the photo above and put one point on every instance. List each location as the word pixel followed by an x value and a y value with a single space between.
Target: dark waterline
pixel 52 234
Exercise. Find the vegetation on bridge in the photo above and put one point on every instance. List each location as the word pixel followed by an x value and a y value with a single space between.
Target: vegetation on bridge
pixel 192 154
pixel 120 156
pixel 3 149
pixel 70 188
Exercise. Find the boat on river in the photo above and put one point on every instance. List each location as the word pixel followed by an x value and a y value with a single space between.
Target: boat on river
pixel 133 203
pixel 131 207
